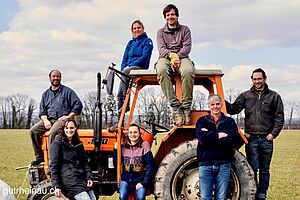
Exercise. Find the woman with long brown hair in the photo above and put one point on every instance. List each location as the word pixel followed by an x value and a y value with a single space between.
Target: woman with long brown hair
pixel 69 168
pixel 138 164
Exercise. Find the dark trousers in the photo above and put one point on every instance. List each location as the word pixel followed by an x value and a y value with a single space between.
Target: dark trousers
pixel 259 153
pixel 36 132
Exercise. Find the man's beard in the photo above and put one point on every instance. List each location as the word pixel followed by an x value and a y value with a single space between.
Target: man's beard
pixel 55 83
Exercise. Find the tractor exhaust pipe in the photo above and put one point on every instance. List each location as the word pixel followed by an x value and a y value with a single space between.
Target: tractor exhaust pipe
pixel 98 117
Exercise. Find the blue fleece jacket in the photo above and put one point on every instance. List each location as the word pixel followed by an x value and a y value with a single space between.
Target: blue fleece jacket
pixel 138 52
pixel 212 150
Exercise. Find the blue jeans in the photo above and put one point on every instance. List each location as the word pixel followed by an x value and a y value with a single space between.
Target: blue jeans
pixel 86 195
pixel 125 189
pixel 124 86
pixel 217 175
pixel 259 153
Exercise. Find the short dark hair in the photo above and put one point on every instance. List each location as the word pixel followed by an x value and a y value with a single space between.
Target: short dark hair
pixel 168 8
pixel 259 70
pixel 54 70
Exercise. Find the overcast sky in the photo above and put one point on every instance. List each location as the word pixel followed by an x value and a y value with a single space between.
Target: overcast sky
pixel 82 37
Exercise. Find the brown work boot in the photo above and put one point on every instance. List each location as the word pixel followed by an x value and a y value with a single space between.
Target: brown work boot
pixel 178 116
pixel 187 116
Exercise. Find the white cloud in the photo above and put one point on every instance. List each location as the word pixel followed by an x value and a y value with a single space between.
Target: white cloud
pixel 284 81
pixel 83 37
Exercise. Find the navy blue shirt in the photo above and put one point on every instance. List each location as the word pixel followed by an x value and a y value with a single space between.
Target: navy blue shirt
pixel 212 150
pixel 59 104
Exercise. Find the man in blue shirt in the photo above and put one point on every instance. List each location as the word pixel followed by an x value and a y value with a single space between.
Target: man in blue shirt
pixel 57 104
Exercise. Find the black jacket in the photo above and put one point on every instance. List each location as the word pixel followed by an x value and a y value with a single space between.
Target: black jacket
pixel 68 165
pixel 263 111
pixel 211 150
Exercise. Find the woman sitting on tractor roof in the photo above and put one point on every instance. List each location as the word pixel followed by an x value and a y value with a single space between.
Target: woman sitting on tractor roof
pixel 136 56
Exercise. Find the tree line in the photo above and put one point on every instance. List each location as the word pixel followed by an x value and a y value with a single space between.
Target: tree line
pixel 16 111
pixel 20 111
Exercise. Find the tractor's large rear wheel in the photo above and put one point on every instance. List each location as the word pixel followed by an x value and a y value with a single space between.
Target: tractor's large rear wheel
pixel 178 178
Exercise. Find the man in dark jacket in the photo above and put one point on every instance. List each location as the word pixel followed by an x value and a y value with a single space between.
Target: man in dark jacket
pixel 264 119
pixel 217 136
pixel 57 104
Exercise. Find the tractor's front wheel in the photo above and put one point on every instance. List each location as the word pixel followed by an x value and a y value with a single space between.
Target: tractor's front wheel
pixel 178 178
pixel 43 191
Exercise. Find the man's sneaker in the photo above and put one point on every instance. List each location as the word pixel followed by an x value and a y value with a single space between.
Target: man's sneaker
pixel 187 116
pixel 178 117
pixel 37 161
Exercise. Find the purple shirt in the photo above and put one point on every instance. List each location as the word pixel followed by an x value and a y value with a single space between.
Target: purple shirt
pixel 178 41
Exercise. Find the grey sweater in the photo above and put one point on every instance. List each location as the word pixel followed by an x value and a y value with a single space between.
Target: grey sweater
pixel 178 41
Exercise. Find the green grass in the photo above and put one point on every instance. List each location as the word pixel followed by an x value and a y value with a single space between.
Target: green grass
pixel 16 151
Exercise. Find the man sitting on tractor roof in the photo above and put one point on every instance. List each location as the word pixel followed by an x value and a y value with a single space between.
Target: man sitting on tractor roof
pixel 174 45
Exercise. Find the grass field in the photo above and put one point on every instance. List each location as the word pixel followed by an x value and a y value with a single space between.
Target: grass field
pixel 16 151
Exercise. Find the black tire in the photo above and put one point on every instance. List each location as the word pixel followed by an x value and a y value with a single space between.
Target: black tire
pixel 43 191
pixel 245 175
pixel 104 190
pixel 177 176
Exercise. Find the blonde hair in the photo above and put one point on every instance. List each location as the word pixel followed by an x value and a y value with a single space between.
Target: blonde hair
pixel 137 21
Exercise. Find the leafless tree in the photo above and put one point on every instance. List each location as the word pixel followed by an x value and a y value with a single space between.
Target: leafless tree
pixel 31 107
pixel 89 102
pixel 144 100
pixel 86 117
pixel 291 110
pixel 110 106
pixel 142 106
pixel 160 104
pixel 5 109
pixel 199 100
pixel 18 103
pixel 104 108
pixel 152 100
pixel 16 111
pixel 231 95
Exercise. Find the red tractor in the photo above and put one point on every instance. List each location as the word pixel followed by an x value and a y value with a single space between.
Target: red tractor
pixel 176 156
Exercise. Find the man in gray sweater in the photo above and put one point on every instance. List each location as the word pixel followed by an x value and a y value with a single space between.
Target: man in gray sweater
pixel 174 45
